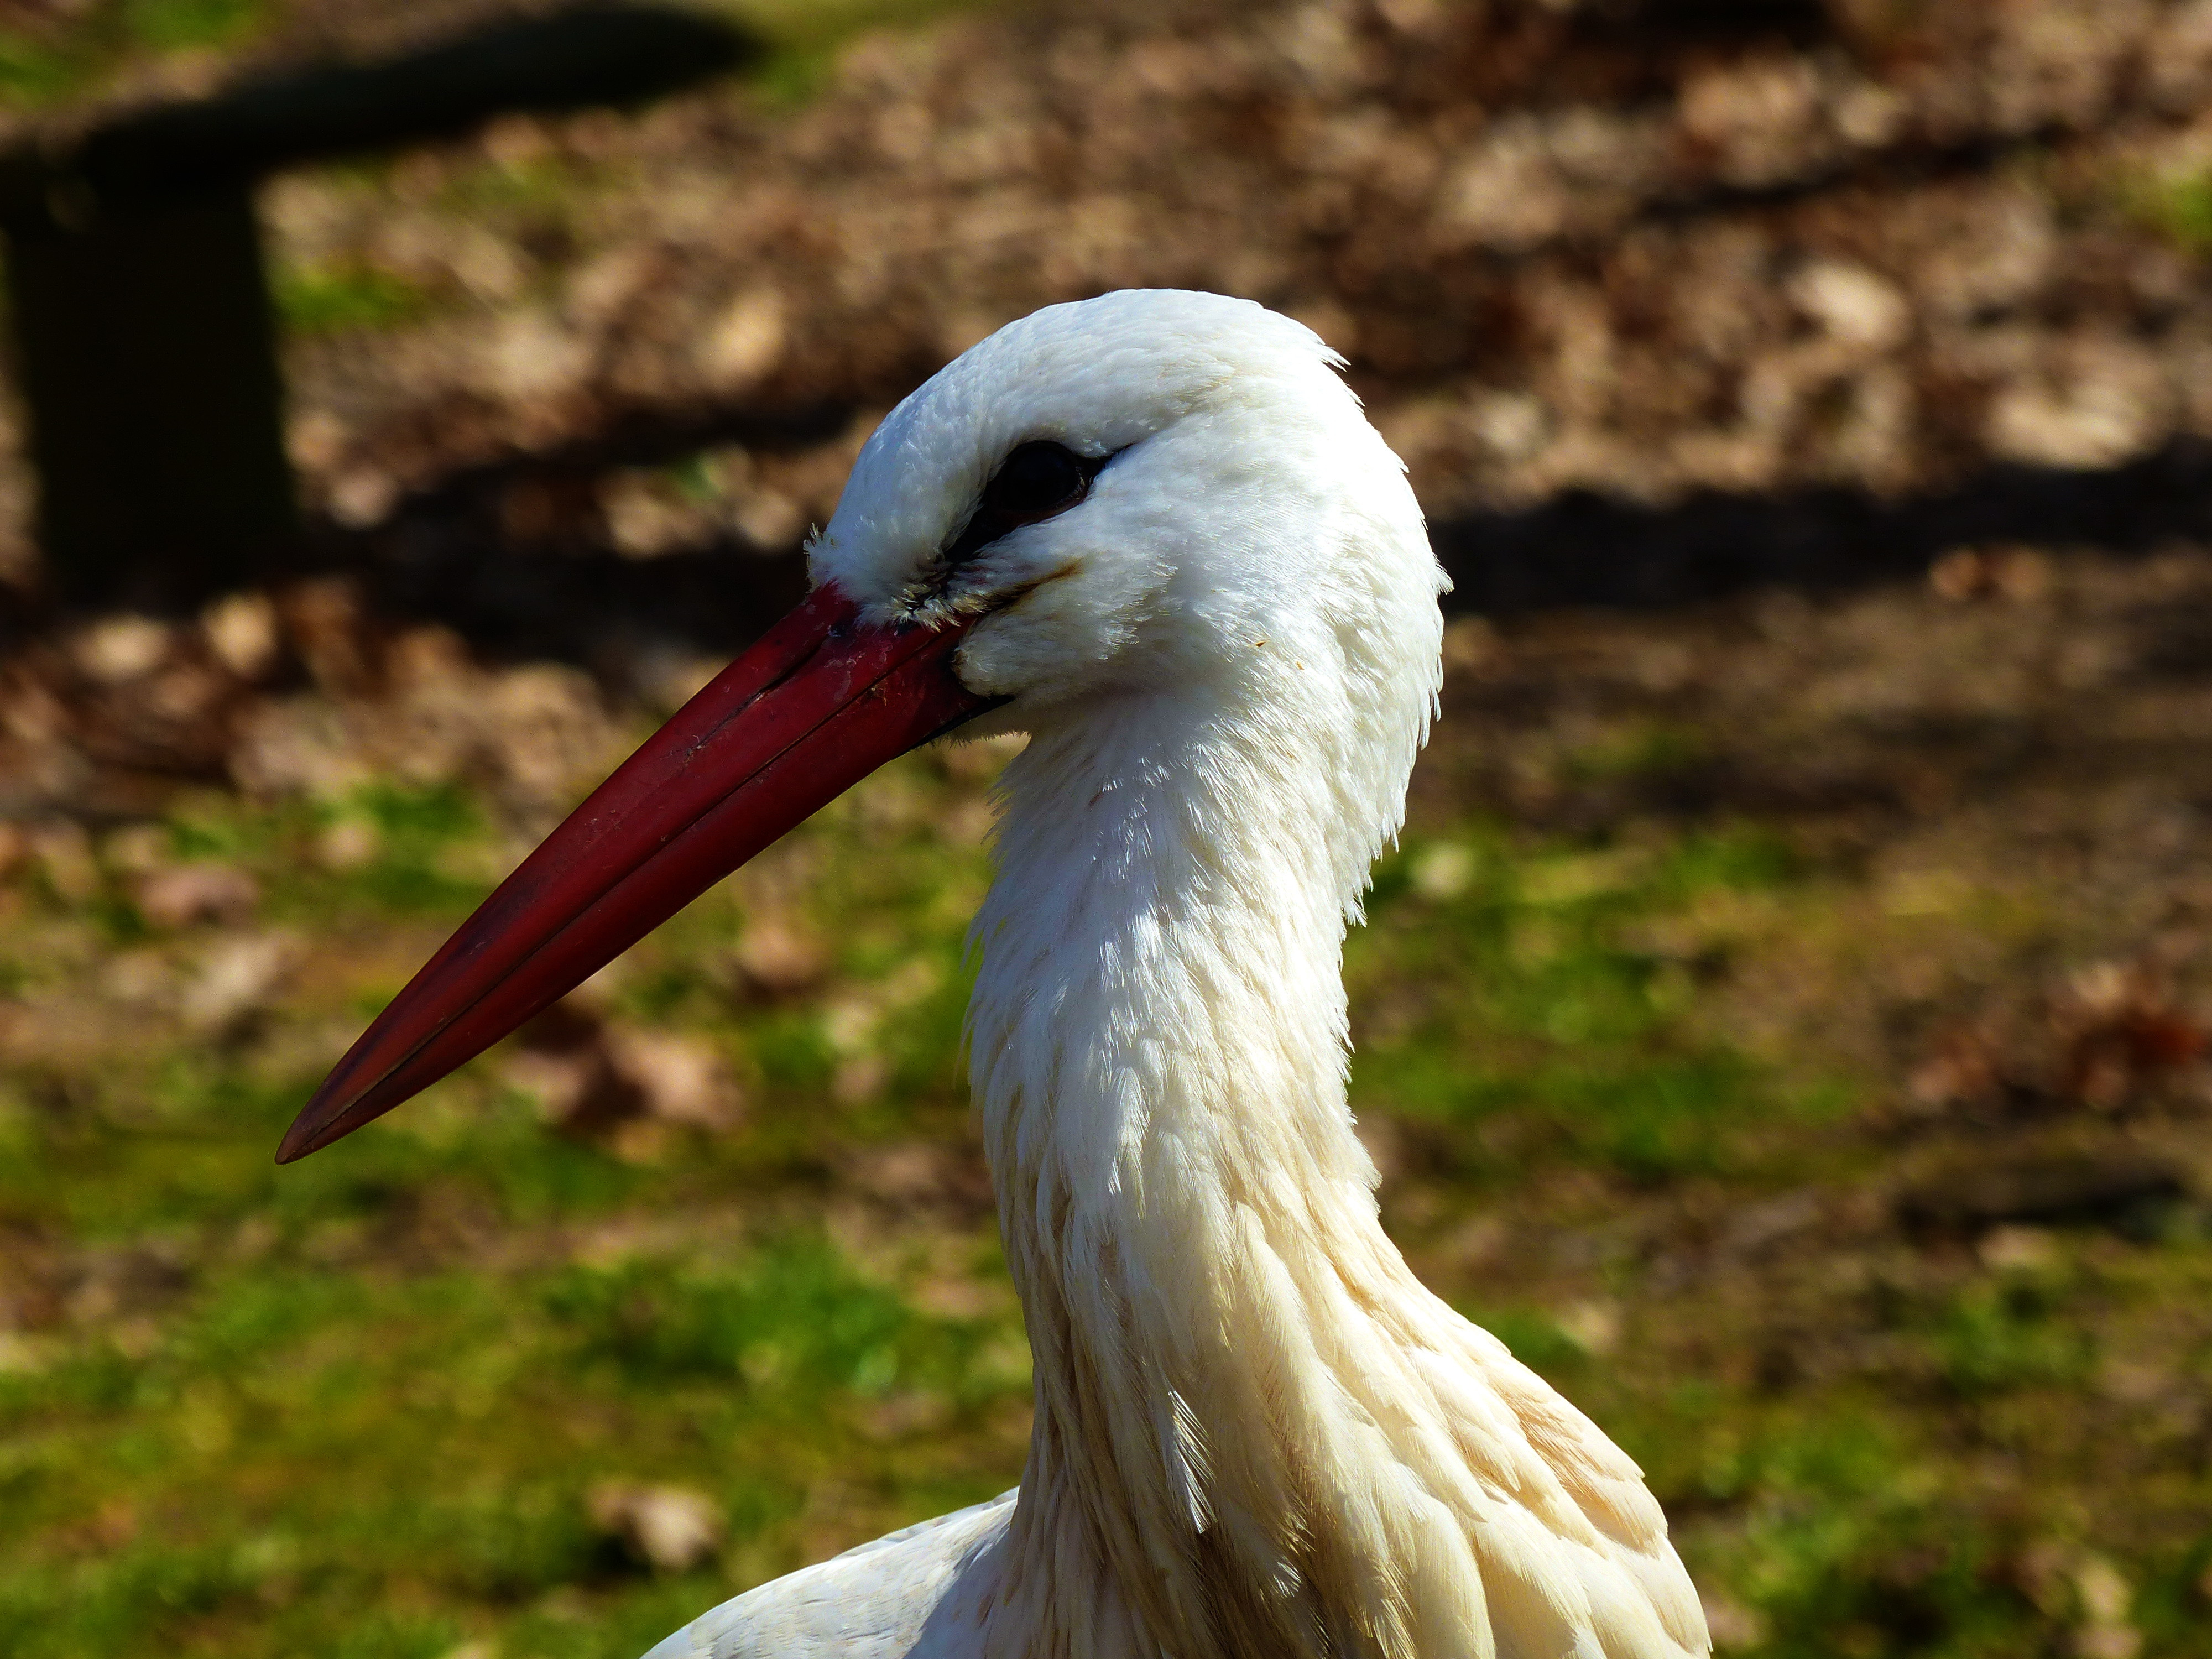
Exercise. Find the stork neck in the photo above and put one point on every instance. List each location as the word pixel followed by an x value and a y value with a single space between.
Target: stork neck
pixel 1162 990
pixel 1157 1038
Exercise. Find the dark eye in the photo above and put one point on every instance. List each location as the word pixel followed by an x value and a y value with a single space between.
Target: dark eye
pixel 1036 480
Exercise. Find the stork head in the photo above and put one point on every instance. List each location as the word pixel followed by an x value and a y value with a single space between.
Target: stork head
pixel 1136 495
pixel 1127 494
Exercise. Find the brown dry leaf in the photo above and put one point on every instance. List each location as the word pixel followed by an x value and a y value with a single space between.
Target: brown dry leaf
pixel 678 1079
pixel 917 1173
pixel 1964 1070
pixel 904 1415
pixel 670 1529
pixel 595 1077
pixel 119 649
pixel 238 975
pixel 242 632
pixel 2021 575
pixel 2122 1035
pixel 62 852
pixel 776 958
pixel 188 893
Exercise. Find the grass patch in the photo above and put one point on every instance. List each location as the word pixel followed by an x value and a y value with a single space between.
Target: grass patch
pixel 69 53
pixel 186 25
pixel 359 1405
pixel 262 1472
pixel 2178 207
pixel 806 35
pixel 344 299
pixel 1518 986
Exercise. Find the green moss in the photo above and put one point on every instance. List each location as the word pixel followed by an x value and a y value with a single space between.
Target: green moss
pixel 2177 208
pixel 182 25
pixel 1538 999
pixel 797 1318
pixel 1536 1339
pixel 36 71
pixel 1639 751
pixel 69 55
pixel 1991 1337
pixel 804 36
pixel 344 299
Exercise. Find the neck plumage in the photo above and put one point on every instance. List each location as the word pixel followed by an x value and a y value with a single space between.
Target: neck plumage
pixel 1257 1433
pixel 1157 1036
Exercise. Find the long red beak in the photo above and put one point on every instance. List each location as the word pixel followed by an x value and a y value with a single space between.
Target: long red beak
pixel 814 707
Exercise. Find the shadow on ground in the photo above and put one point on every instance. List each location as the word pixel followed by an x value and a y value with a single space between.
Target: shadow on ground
pixel 445 558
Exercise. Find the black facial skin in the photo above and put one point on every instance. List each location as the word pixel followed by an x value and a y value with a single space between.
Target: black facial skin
pixel 1037 480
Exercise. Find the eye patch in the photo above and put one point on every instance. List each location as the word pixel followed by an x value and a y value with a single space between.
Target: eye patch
pixel 1037 480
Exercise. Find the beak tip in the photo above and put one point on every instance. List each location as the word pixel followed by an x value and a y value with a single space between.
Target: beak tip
pixel 315 1127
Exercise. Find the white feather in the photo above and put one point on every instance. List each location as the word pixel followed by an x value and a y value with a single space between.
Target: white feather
pixel 1257 1433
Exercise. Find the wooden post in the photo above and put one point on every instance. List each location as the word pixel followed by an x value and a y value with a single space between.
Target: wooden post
pixel 144 338
pixel 148 363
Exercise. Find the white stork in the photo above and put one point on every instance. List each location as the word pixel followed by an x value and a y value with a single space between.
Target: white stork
pixel 1154 531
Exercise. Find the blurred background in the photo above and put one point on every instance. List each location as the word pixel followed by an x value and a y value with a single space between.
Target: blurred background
pixel 1784 1022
